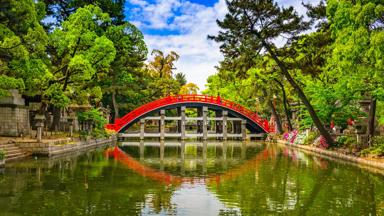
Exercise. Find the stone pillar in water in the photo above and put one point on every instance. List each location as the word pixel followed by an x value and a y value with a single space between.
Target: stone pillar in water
pixel 141 149
pixel 183 122
pixel 142 128
pixel 225 126
pixel 162 124
pixel 205 123
pixel 199 122
pixel 205 157
pixel 162 155
pixel 243 129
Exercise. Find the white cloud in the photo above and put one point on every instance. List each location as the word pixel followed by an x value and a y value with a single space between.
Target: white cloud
pixel 192 23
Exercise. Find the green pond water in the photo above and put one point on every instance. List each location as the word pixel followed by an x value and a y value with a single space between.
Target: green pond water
pixel 231 178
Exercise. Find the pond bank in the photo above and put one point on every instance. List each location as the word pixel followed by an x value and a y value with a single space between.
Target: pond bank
pixel 62 146
pixel 372 164
pixel 17 149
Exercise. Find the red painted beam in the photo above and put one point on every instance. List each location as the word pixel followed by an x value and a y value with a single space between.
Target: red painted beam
pixel 179 99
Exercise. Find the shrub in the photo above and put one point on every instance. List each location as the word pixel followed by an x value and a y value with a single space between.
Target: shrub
pixel 377 148
pixel 347 141
pixel 2 154
pixel 97 119
pixel 310 139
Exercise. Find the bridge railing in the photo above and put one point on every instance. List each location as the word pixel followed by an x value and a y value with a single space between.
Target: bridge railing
pixel 119 123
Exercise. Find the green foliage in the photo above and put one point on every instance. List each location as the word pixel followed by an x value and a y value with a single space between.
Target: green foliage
pixel 23 43
pixel 7 83
pixel 2 154
pixel 57 97
pixel 96 118
pixel 377 148
pixel 346 141
pixel 311 137
pixel 94 115
pixel 180 77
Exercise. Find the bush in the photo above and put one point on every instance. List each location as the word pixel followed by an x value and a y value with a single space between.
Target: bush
pixel 377 148
pixel 310 139
pixel 97 119
pixel 2 154
pixel 347 141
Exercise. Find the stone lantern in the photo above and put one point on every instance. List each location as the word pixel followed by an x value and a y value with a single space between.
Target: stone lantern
pixel 70 120
pixel 39 119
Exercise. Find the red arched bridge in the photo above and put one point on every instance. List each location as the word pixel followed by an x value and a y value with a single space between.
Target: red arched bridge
pixel 230 121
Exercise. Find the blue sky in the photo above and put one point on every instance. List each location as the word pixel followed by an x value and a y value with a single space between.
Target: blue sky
pixel 182 26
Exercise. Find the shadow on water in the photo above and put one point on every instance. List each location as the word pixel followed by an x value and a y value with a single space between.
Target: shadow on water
pixel 189 178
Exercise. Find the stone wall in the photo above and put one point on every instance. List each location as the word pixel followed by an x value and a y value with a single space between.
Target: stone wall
pixel 62 146
pixel 14 115
pixel 14 121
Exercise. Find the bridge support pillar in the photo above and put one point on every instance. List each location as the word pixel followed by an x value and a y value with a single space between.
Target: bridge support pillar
pixel 219 124
pixel 199 122
pixel 243 129
pixel 142 128
pixel 205 123
pixel 178 109
pixel 183 122
pixel 225 130
pixel 162 124
pixel 141 149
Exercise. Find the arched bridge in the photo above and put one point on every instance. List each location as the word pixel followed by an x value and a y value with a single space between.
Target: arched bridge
pixel 231 119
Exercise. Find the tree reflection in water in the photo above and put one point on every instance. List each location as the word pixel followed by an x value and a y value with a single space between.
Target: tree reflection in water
pixel 190 179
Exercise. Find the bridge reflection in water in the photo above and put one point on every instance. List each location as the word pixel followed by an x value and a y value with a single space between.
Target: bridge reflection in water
pixel 208 162
pixel 207 179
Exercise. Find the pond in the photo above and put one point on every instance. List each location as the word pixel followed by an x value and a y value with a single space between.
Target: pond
pixel 193 178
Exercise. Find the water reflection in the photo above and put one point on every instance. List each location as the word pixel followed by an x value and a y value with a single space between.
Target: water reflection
pixel 190 179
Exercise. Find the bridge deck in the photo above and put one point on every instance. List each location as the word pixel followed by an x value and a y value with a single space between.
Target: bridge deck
pixel 187 135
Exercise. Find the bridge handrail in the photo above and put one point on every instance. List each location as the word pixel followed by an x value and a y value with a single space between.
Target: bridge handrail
pixel 119 123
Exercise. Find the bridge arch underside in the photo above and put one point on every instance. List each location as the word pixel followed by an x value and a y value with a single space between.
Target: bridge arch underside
pixel 252 126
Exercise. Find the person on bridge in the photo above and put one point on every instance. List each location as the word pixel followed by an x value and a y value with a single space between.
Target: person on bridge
pixel 218 99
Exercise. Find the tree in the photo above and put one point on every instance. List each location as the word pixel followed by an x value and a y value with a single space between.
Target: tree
pixel 161 72
pixel 190 88
pixel 180 77
pixel 357 28
pixel 131 52
pixel 163 66
pixel 22 47
pixel 60 10
pixel 78 53
pixel 255 25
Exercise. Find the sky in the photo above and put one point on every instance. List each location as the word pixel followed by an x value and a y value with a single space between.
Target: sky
pixel 183 26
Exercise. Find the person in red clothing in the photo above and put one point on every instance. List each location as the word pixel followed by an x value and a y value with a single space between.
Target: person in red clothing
pixel 218 99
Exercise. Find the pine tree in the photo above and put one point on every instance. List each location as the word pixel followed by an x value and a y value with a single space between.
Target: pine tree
pixel 256 25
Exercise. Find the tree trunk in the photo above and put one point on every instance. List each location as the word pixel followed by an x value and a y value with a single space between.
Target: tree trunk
pixel 277 117
pixel 115 105
pixel 316 120
pixel 371 120
pixel 56 119
pixel 286 109
pixel 274 113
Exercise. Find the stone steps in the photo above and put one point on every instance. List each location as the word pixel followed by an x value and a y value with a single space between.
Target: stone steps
pixel 12 152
